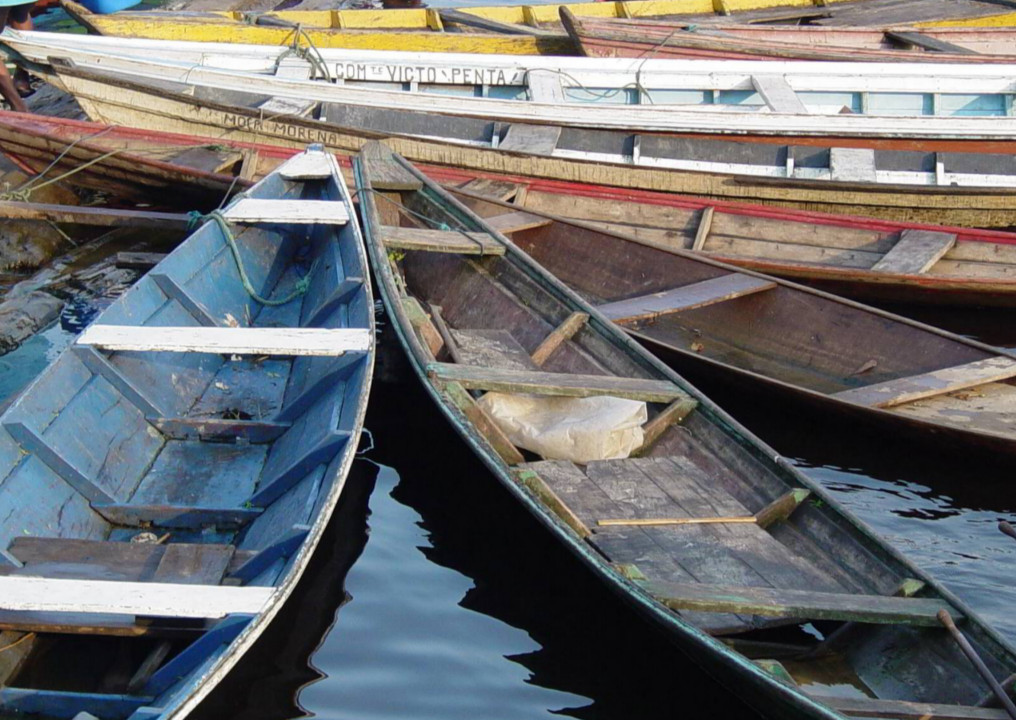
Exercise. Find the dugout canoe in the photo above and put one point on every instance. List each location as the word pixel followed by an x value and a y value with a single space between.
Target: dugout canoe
pixel 670 164
pixel 659 39
pixel 475 313
pixel 887 100
pixel 831 252
pixel 168 477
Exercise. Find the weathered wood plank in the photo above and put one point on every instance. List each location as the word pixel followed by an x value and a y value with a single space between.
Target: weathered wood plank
pixel 457 17
pixel 138 260
pixel 105 217
pixel 193 564
pixel 423 325
pixel 219 429
pixel 446 241
pixel 777 94
pixel 531 479
pixel 307 166
pixel 545 86
pixel 385 172
pixel 34 443
pixel 903 710
pixel 938 382
pixel 704 226
pixel 927 42
pixel 228 340
pixel 916 252
pixel 283 106
pixel 172 290
pixel 773 602
pixel 559 384
pixel 516 222
pixel 670 415
pixel 561 334
pixel 304 212
pixel 531 139
pixel 497 189
pixel 483 423
pixel 129 598
pixel 491 348
pixel 852 164
pixel 175 516
pixel 686 297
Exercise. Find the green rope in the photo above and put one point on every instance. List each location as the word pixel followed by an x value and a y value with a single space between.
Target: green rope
pixel 301 285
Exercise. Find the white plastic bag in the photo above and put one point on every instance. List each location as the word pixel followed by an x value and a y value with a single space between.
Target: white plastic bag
pixel 565 428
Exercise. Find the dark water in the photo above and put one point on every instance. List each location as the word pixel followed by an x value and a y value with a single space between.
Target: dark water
pixel 434 595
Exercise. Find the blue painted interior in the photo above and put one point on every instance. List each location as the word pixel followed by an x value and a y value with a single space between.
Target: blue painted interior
pixel 84 428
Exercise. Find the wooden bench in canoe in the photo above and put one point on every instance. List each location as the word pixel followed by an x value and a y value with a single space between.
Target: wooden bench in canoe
pixel 697 522
pixel 167 477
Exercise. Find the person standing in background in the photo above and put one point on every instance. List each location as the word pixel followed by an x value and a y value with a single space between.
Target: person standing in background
pixel 17 14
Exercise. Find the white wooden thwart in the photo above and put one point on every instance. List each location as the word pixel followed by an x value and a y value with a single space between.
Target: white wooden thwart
pixel 32 594
pixel 308 166
pixel 227 340
pixel 308 212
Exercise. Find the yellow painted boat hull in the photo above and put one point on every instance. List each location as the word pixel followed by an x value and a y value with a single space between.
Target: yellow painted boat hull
pixel 417 30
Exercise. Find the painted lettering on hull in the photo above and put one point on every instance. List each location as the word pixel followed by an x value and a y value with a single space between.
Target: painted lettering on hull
pixel 427 74
pixel 276 128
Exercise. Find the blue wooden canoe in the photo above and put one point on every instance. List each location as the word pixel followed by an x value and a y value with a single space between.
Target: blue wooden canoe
pixel 164 483
pixel 752 569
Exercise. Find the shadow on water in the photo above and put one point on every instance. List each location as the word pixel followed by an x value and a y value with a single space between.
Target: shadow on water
pixel 463 606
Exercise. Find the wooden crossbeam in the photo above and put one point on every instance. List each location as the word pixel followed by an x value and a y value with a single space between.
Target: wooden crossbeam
pixel 938 382
pixel 673 414
pixel 557 384
pixel 927 42
pixel 704 226
pixel 175 516
pixel 560 335
pixel 31 594
pixel 516 222
pixel 531 479
pixel 106 217
pixel 686 297
pixel 779 509
pixel 803 604
pixel 174 291
pixel 903 710
pixel 303 212
pixel 483 422
pixel 228 340
pixel 915 252
pixel 252 431
pixel 777 94
pixel 446 241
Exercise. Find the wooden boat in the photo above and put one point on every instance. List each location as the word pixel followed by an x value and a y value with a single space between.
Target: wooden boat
pixel 178 171
pixel 166 480
pixel 513 29
pixel 475 313
pixel 642 38
pixel 671 164
pixel 895 100
pixel 831 252
pixel 708 320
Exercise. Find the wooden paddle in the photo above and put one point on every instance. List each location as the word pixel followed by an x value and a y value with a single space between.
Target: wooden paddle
pixel 1003 697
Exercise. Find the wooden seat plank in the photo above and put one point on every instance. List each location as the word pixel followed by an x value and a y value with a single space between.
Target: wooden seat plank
pixel 852 164
pixel 531 139
pixel 938 382
pixel 558 384
pixel 193 564
pixel 777 94
pixel 386 173
pixel 686 297
pixel 308 166
pixel 805 604
pixel 303 212
pixel 446 241
pixel 516 222
pixel 172 600
pixel 218 429
pixel 916 252
pixel 904 710
pixel 228 340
